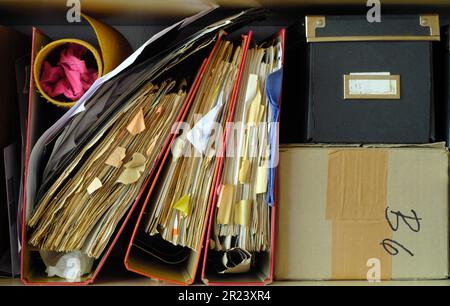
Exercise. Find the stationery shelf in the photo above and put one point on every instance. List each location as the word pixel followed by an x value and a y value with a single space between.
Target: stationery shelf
pixel 138 20
pixel 146 282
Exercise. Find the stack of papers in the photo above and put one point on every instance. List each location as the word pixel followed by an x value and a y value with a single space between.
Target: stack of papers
pixel 242 222
pixel 180 208
pixel 83 207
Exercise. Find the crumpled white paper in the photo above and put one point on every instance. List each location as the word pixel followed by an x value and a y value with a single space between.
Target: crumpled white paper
pixel 70 266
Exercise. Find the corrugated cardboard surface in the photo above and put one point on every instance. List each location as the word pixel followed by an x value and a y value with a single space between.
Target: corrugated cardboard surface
pixel 357 184
pixel 312 247
pixel 356 205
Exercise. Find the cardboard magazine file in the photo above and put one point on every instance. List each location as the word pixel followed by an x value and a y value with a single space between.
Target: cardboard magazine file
pixel 151 265
pixel 263 275
pixel 41 115
pixel 113 48
pixel 363 213
pixel 33 271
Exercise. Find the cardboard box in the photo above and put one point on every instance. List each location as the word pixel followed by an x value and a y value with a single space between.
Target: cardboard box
pixel 362 85
pixel 355 213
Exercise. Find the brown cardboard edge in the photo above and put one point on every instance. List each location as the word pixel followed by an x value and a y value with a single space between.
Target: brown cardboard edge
pixel 436 145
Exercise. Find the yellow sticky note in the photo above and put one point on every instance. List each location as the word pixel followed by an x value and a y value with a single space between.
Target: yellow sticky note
pixel 178 148
pixel 137 161
pixel 254 109
pixel 267 154
pixel 94 186
pixel 137 125
pixel 133 170
pixel 262 179
pixel 116 158
pixel 183 205
pixel 262 110
pixel 225 204
pixel 244 172
pixel 152 145
pixel 242 213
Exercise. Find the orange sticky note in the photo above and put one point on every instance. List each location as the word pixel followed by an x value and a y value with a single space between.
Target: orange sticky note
pixel 116 158
pixel 137 125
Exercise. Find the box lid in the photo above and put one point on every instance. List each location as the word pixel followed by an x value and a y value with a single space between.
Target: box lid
pixel 358 28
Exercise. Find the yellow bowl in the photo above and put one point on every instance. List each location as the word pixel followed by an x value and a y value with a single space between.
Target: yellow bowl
pixel 46 51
